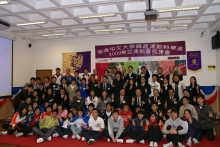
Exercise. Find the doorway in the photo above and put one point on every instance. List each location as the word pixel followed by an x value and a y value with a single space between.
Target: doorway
pixel 44 73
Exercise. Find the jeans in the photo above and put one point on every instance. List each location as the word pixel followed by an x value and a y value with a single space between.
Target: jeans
pixel 75 130
pixel 62 131
pixel 91 134
pixel 44 132
pixel 193 134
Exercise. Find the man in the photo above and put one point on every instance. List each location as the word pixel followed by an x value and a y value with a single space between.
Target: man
pixel 113 72
pixel 138 100
pixel 68 76
pixel 107 114
pixel 104 85
pixel 96 126
pixel 118 84
pixel 32 82
pixel 144 87
pixel 171 74
pixel 95 73
pixel 24 104
pixel 37 83
pixel 83 87
pixel 156 99
pixel 178 87
pixel 62 98
pixel 58 76
pixel 187 105
pixel 47 126
pixel 54 86
pixel 63 84
pixel 126 114
pixel 144 73
pixel 160 76
pixel 121 100
pixel 21 96
pixel 206 117
pixel 175 129
pixel 192 100
pixel 93 85
pixel 130 75
pixel 86 75
pixel 154 84
pixel 46 83
pixel 171 101
pixel 115 133
pixel 77 77
pixel 108 77
pixel 35 97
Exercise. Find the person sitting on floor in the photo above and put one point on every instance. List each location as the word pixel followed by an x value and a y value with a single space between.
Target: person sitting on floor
pixel 88 112
pixel 115 129
pixel 107 114
pixel 24 103
pixel 126 114
pixel 194 134
pixel 137 131
pixel 47 126
pixel 46 113
pixel 175 129
pixel 62 113
pixel 96 126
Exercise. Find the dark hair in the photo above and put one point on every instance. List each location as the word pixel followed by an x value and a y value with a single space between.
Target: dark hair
pixel 62 89
pixel 60 105
pixel 41 84
pixel 101 97
pixel 54 78
pixel 129 82
pixel 115 111
pixel 138 107
pixel 118 73
pixel 174 111
pixel 57 68
pixel 33 78
pixel 73 79
pixel 188 111
pixel 30 86
pixel 96 110
pixel 30 105
pixel 154 75
pixel 81 111
pixel 108 104
pixel 195 81
pixel 130 66
pixel 85 68
pixel 76 72
pixel 91 105
pixel 48 106
pixel 175 75
pixel 54 111
pixel 35 102
pixel 69 113
pixel 106 71
pixel 141 112
pixel 159 68
pixel 114 68
pixel 165 78
pixel 38 78
pixel 83 79
pixel 92 75
pixel 154 103
pixel 200 96
pixel 126 104
pixel 104 77
pixel 184 97
pixel 156 90
pixel 20 112
pixel 47 78
pixel 77 90
pixel 155 114
pixel 171 89
pixel 185 90
pixel 35 90
pixel 28 97
pixel 63 78
pixel 171 66
pixel 37 108
pixel 143 67
pixel 143 77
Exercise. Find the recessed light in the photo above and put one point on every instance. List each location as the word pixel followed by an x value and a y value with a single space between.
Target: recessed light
pixel 61 34
pixel 171 26
pixel 108 30
pixel 97 16
pixel 4 2
pixel 179 9
pixel 31 23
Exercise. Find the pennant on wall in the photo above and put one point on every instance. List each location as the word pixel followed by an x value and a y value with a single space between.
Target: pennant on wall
pixel 194 60
pixel 77 61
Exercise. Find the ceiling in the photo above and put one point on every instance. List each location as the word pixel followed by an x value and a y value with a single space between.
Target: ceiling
pixel 62 16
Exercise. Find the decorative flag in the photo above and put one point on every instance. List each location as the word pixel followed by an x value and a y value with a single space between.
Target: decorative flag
pixel 194 60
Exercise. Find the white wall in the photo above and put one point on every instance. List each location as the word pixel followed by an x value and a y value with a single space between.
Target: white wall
pixel 48 55
pixel 218 66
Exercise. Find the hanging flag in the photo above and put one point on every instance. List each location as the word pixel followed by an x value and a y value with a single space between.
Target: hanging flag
pixel 194 61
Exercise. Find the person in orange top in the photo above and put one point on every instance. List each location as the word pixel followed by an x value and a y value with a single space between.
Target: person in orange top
pixel 154 127
pixel 47 113
pixel 17 118
pixel 126 114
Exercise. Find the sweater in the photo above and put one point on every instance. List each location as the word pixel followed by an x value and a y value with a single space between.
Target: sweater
pixel 45 114
pixel 137 127
pixel 191 108
pixel 125 117
pixel 48 123
pixel 83 91
pixel 115 126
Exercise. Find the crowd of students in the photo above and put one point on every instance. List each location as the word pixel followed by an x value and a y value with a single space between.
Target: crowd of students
pixel 115 105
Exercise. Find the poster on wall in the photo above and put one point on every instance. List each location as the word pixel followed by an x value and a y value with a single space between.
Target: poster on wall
pixel 150 55
pixel 77 61
pixel 194 61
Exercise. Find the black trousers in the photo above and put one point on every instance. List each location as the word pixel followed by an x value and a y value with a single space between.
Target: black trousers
pixel 91 134
pixel 154 133
pixel 175 138
pixel 8 127
pixel 62 131
pixel 24 129
pixel 16 105
pixel 209 133
pixel 106 134
pixel 138 136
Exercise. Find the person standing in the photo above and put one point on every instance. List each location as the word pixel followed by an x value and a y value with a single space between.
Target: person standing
pixel 58 76
pixel 154 84
pixel 178 87
pixel 144 73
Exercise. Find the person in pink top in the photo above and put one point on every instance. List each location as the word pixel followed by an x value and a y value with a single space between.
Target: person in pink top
pixel 62 113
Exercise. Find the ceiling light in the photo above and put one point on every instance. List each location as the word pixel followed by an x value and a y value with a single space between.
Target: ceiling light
pixel 108 30
pixel 97 16
pixel 179 9
pixel 61 34
pixel 171 26
pixel 31 23
pixel 5 2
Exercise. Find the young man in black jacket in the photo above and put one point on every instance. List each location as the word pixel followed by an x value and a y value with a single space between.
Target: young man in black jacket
pixel 107 114
pixel 130 75
pixel 144 73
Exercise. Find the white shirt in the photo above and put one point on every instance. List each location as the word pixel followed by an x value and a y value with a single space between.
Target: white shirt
pixel 72 87
pixel 108 113
pixel 154 85
pixel 96 125
pixel 171 78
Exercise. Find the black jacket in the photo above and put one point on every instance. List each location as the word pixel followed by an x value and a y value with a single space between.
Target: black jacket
pixel 78 102
pixel 22 95
pixel 143 88
pixel 159 101
pixel 143 106
pixel 93 86
pixel 118 85
pixel 147 76
pixel 108 88
pixel 165 91
pixel 168 77
pixel 171 103
pixel 133 76
pixel 130 92
pixel 105 118
pixel 118 103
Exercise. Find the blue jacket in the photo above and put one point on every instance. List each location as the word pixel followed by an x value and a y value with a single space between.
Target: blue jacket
pixel 27 122
pixel 137 127
pixel 83 91
pixel 85 119
pixel 62 123
pixel 195 125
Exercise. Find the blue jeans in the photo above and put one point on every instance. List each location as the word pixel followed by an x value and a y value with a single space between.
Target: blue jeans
pixel 76 130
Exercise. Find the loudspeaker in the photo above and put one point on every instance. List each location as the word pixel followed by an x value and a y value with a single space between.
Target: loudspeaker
pixel 29 45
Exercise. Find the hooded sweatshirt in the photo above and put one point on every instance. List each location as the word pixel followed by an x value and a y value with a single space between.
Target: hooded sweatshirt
pixel 125 117
pixel 175 124
pixel 115 126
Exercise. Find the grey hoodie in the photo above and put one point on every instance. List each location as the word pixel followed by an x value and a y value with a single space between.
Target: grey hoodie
pixel 115 126
pixel 175 124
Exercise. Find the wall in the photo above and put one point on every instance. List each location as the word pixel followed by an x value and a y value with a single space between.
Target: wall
pixel 48 55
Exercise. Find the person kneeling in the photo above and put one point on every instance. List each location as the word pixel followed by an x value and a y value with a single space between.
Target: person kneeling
pixel 115 128
pixel 137 131
pixel 175 128
pixel 47 127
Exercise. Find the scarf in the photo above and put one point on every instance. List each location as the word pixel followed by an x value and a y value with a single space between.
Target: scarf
pixel 153 122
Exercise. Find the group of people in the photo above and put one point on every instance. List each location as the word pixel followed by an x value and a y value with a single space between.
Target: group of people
pixel 114 105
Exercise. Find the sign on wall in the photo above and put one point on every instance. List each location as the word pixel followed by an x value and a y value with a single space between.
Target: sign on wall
pixel 194 61
pixel 77 61
pixel 150 55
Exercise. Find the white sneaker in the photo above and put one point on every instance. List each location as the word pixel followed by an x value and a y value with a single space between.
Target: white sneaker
pixel 155 144
pixel 170 144
pixel 19 134
pixel 73 137
pixel 39 140
pixel 164 136
pixel 49 138
pixel 31 134
pixel 78 137
pixel 4 133
pixel 55 134
pixel 65 136
pixel 129 141
pixel 180 144
pixel 120 140
pixel 142 141
pixel 83 139
pixel 108 140
pixel 195 141
pixel 189 142
pixel 151 144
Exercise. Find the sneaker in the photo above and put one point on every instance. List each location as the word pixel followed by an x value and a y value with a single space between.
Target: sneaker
pixel 31 134
pixel 49 138
pixel 83 139
pixel 195 141
pixel 39 140
pixel 189 142
pixel 108 140
pixel 155 144
pixel 73 137
pixel 78 137
pixel 91 141
pixel 170 144
pixel 142 141
pixel 19 134
pixel 4 133
pixel 180 144
pixel 129 141
pixel 55 134
pixel 65 136
pixel 164 136
pixel 151 144
pixel 120 140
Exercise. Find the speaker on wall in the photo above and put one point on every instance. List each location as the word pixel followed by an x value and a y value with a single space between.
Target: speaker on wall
pixel 29 45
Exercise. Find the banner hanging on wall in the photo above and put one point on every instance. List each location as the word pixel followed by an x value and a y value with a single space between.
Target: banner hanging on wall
pixel 150 55
pixel 77 61
pixel 194 61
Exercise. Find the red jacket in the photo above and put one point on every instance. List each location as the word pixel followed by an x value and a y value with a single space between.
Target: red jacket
pixel 36 119
pixel 125 117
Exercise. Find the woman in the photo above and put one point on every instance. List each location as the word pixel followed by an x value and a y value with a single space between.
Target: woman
pixel 62 113
pixel 18 117
pixel 91 99
pixel 154 127
pixel 49 98
pixel 178 87
pixel 103 100
pixel 130 90
pixel 164 89
pixel 194 88
pixel 194 134
pixel 72 88
pixel 54 106
pixel 63 130
pixel 79 123
pixel 118 84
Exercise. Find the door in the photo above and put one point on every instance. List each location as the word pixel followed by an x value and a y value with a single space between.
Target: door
pixel 44 73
